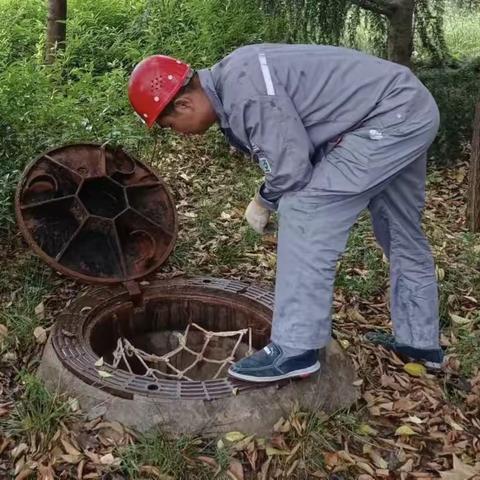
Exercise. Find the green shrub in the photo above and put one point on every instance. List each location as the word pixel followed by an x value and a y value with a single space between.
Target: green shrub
pixel 456 90
pixel 83 96
pixel 22 28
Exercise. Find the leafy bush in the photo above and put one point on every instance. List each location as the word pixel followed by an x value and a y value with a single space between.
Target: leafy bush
pixel 456 90
pixel 83 96
pixel 22 25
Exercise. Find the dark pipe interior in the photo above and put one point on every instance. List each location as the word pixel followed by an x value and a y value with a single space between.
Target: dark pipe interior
pixel 155 332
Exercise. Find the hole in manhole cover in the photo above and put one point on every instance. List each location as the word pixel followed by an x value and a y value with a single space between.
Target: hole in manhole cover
pixel 102 197
pixel 154 346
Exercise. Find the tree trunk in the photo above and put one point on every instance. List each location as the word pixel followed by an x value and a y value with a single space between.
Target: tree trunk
pixel 399 14
pixel 473 198
pixel 400 32
pixel 56 28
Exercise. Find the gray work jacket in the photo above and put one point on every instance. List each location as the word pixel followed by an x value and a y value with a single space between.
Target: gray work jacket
pixel 284 104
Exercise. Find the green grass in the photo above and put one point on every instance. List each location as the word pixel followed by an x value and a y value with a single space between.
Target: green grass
pixel 468 350
pixel 169 456
pixel 37 414
pixel 467 344
pixel 461 277
pixel 462 33
pixel 365 256
pixel 28 286
pixel 320 433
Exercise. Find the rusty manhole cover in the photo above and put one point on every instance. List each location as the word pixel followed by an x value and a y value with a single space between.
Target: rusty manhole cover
pixel 96 214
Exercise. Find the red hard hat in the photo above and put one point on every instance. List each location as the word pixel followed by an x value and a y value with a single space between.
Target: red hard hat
pixel 153 83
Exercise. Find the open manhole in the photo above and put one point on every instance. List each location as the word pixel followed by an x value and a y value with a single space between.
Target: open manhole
pixel 100 216
pixel 93 326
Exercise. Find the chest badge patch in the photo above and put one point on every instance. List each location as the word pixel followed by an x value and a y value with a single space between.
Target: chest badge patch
pixel 261 159
pixel 264 165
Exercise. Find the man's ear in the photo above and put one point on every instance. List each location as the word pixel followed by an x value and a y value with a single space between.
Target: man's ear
pixel 183 103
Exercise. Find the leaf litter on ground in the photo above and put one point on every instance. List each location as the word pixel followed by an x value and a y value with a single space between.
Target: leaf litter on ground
pixel 409 423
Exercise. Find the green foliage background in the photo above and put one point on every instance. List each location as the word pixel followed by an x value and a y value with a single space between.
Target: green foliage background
pixel 83 96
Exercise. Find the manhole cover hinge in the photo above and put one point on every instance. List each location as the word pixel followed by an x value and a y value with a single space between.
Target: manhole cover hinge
pixel 135 293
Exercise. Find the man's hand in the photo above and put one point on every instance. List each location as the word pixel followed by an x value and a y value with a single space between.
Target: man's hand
pixel 257 215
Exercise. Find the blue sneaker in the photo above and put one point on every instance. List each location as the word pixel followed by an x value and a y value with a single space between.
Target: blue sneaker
pixel 271 365
pixel 432 359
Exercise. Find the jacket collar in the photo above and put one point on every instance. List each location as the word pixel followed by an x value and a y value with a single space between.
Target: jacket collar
pixel 208 85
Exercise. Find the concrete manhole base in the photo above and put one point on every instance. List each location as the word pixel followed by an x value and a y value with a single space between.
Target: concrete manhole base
pixel 251 412
pixel 91 326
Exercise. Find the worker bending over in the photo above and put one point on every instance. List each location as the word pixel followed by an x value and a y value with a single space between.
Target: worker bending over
pixel 335 132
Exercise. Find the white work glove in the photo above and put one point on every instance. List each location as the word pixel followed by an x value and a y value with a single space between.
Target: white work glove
pixel 257 215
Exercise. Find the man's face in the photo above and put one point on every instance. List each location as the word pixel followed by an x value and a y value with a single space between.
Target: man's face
pixel 191 115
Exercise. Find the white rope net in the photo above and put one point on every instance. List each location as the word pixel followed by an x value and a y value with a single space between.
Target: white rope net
pixel 126 351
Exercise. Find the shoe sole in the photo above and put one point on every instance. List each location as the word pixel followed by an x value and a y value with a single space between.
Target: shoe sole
pixel 433 366
pixel 303 372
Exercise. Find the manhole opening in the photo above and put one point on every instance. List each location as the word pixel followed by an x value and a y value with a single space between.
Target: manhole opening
pixel 161 328
pixel 102 197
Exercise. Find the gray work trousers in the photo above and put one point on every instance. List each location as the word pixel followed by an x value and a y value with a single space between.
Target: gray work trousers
pixel 380 166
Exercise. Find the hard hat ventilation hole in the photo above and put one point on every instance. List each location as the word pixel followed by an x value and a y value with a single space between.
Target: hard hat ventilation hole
pixel 156 84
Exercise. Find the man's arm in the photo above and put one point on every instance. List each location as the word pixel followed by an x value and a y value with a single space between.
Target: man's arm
pixel 271 127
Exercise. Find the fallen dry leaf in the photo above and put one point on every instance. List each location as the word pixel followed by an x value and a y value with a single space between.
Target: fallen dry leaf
pixel 405 430
pixel 330 459
pixel 18 450
pixel 40 311
pixel 151 471
pixel 415 369
pixel 365 467
pixel 72 459
pixel 378 460
pixel 107 459
pixel 235 470
pixel 207 460
pixel 45 472
pixel 416 420
pixel 40 335
pixel 234 436
pixel 460 471
pixel 3 332
pixel 73 404
pixel 365 429
pixel 270 451
pixel 24 474
pixel 69 448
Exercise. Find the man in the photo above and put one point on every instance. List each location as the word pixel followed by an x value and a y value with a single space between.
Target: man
pixel 335 131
